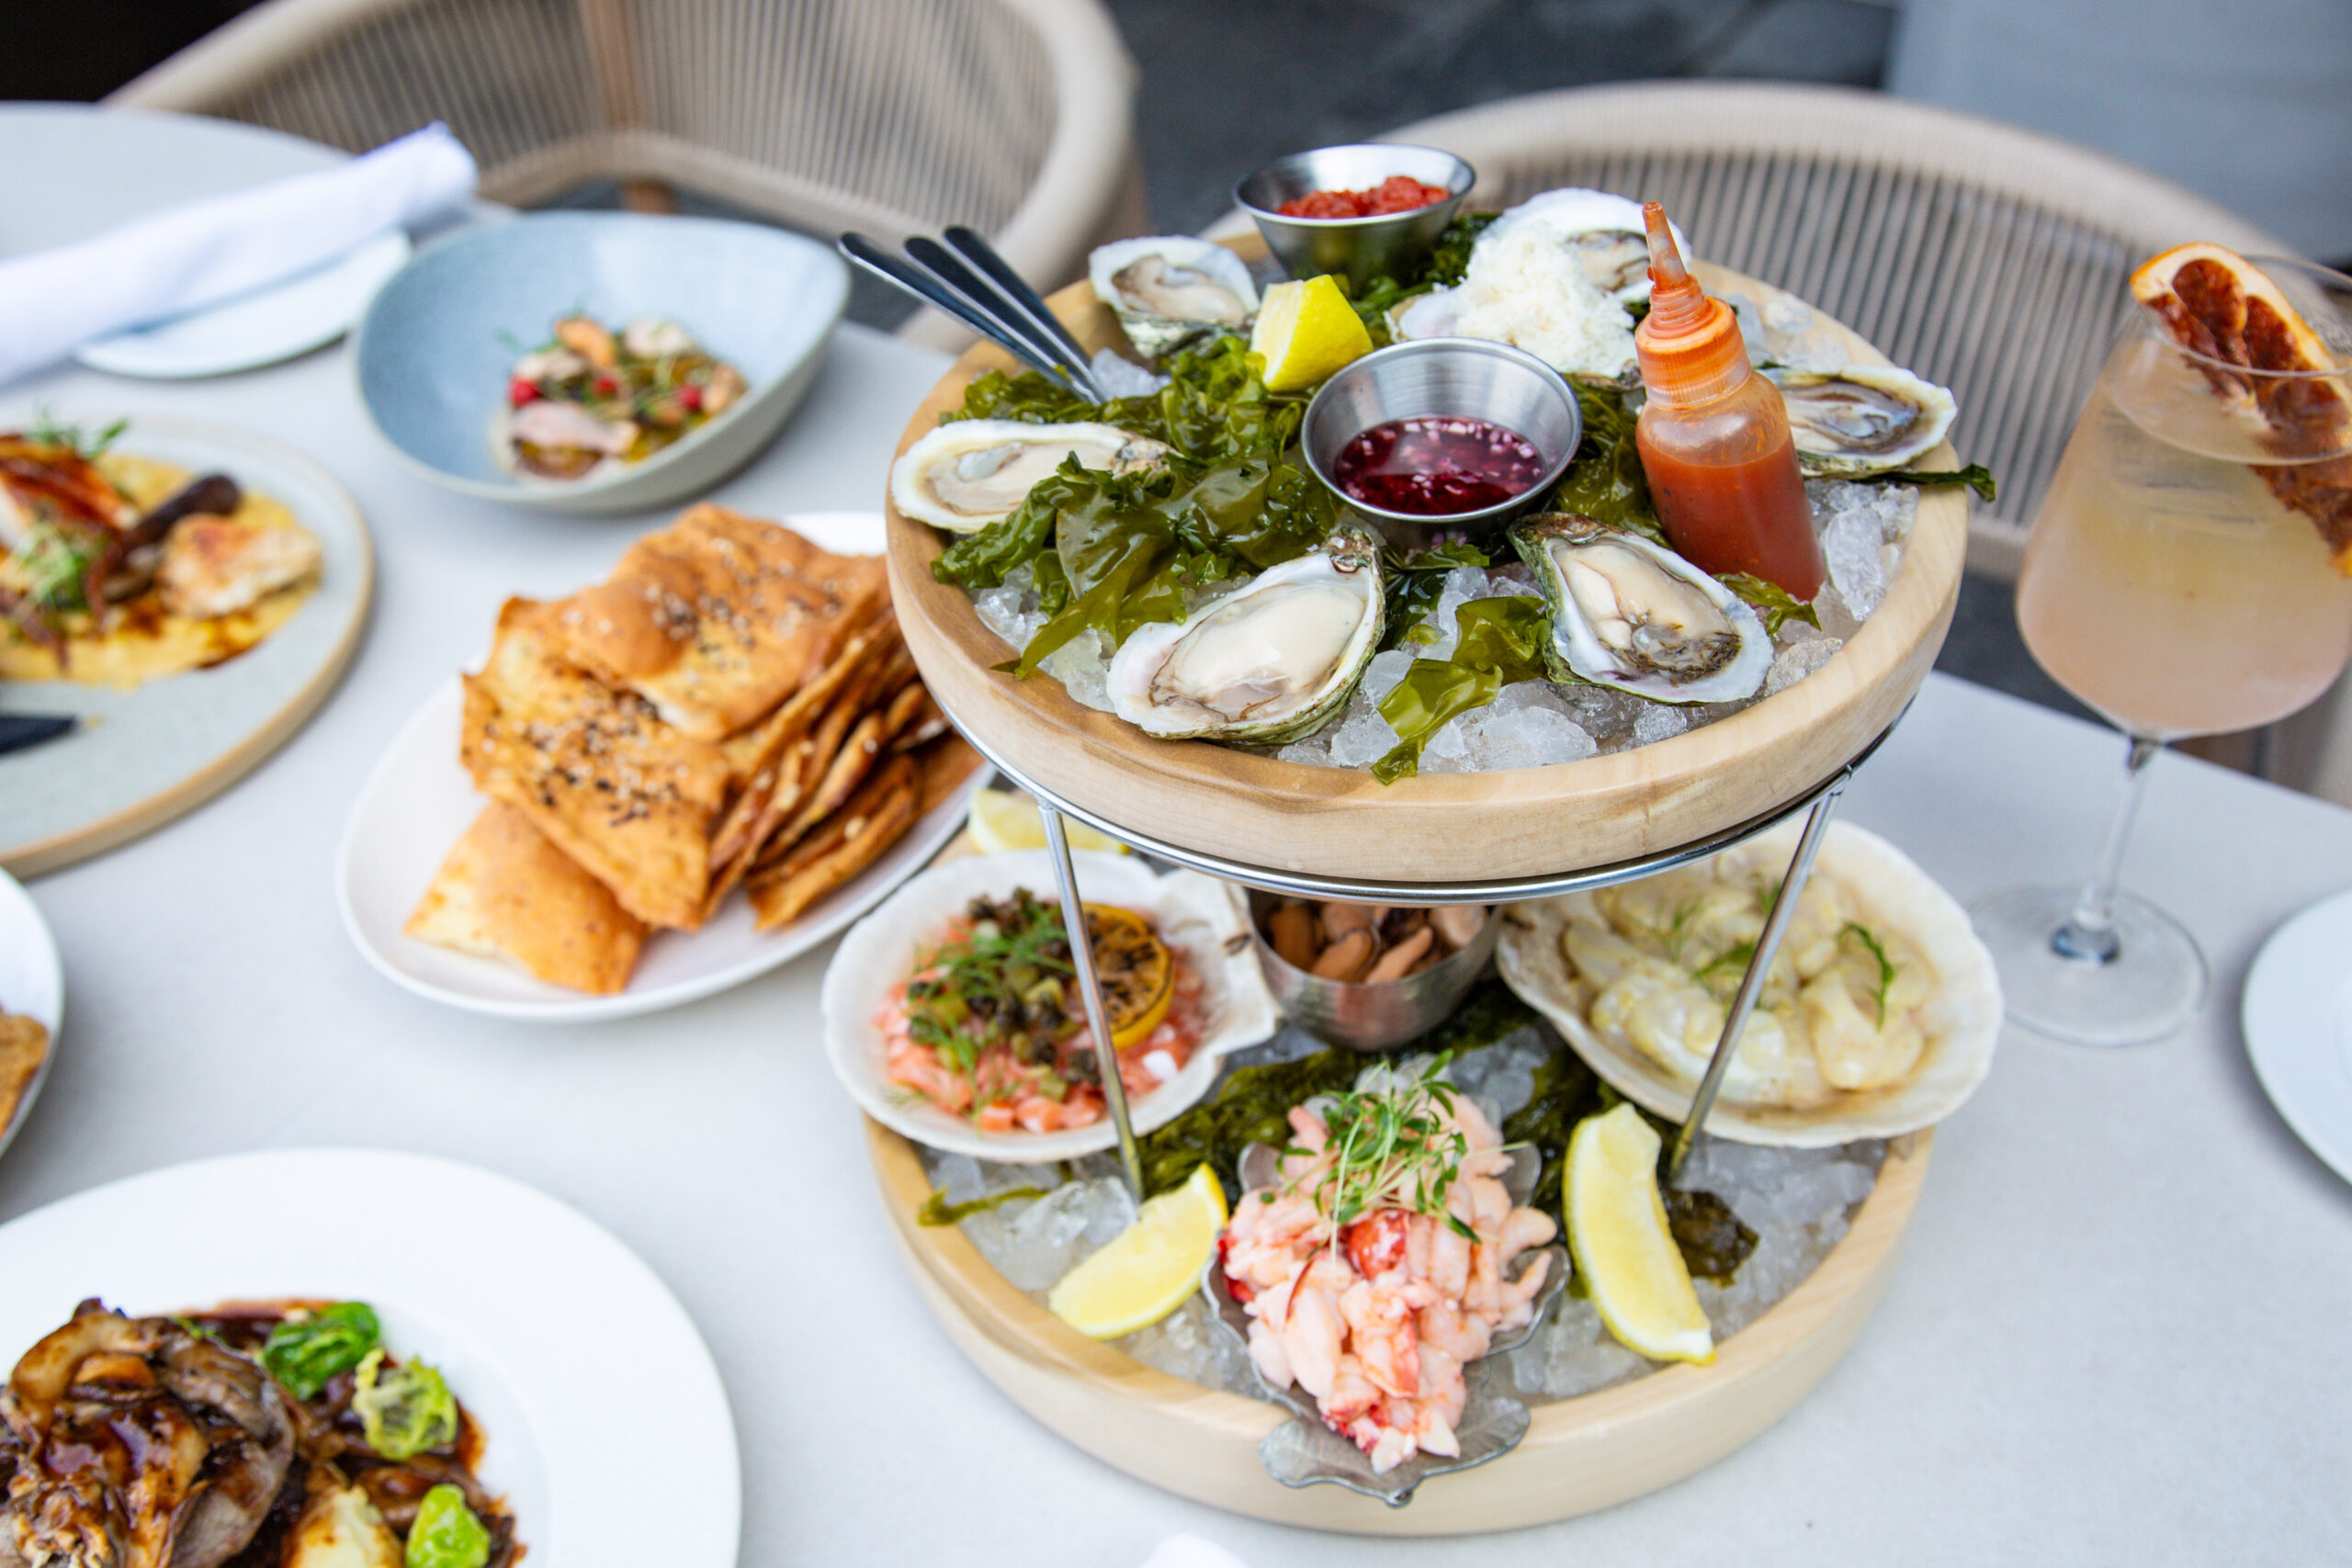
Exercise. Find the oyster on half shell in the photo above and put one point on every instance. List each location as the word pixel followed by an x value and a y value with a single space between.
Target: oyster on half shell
pixel 1268 662
pixel 1629 614
pixel 1863 419
pixel 1170 289
pixel 966 475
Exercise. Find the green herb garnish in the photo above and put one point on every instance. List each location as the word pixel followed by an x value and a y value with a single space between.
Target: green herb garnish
pixel 308 1352
pixel 55 562
pixel 1977 476
pixel 1886 966
pixel 403 1410
pixel 48 430
pixel 1392 1147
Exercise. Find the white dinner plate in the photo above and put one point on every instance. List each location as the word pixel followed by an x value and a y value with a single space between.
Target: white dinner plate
pixel 537 1316
pixel 141 757
pixel 2296 1014
pixel 269 324
pixel 419 802
pixel 32 985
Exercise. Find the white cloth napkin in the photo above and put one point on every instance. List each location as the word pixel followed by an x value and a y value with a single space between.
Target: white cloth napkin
pixel 1191 1552
pixel 185 257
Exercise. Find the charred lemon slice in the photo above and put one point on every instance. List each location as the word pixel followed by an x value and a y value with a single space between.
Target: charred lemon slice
pixel 1138 974
pixel 1617 1234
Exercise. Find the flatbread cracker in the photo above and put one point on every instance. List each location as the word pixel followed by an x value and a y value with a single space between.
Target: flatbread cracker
pixel 842 845
pixel 619 792
pixel 718 618
pixel 24 1046
pixel 506 892
pixel 943 765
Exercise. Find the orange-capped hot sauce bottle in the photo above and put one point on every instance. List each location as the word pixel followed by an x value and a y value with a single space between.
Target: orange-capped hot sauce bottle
pixel 1713 436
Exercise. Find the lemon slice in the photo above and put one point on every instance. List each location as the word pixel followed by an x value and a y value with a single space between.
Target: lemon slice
pixel 1148 1269
pixel 1305 331
pixel 1617 1235
pixel 1008 819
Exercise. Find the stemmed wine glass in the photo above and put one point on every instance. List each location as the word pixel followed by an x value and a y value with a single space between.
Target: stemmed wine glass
pixel 2178 581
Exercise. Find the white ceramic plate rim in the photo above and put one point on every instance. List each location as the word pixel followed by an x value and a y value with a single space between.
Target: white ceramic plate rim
pixel 540 1317
pixel 32 985
pixel 2294 1012
pixel 874 957
pixel 432 732
pixel 275 323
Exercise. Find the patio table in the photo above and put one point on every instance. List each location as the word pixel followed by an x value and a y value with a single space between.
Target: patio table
pixel 2117 1333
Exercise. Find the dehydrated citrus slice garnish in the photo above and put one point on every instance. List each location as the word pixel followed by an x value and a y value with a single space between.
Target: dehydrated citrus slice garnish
pixel 2220 305
pixel 1137 975
pixel 2217 304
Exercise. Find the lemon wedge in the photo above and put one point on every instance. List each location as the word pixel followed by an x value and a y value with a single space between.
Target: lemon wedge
pixel 1008 820
pixel 1617 1235
pixel 1305 331
pixel 1148 1269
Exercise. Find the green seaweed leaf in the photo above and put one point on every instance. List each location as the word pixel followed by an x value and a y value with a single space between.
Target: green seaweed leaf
pixel 1501 641
pixel 1977 476
pixel 1775 604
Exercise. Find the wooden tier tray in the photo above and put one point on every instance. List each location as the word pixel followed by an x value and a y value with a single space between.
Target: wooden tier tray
pixel 1451 827
pixel 1578 1454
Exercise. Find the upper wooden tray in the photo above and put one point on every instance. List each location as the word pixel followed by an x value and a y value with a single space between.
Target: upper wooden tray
pixel 1343 822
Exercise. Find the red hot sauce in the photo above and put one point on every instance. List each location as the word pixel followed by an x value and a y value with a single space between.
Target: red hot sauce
pixel 1714 436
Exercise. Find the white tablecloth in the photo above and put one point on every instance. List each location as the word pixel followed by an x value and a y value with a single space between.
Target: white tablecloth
pixel 2117 1333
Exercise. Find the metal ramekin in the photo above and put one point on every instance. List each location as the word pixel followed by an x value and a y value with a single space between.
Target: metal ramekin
pixel 1371 1017
pixel 1456 377
pixel 1359 249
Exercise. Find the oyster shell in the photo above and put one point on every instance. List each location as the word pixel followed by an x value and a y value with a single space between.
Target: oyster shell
pixel 1781 1086
pixel 1629 614
pixel 963 476
pixel 1170 289
pixel 1268 662
pixel 1863 419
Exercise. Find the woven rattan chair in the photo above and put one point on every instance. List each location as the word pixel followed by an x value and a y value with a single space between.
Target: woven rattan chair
pixel 894 117
pixel 1986 258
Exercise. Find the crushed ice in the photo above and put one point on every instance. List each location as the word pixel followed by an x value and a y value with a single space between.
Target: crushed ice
pixel 1799 1202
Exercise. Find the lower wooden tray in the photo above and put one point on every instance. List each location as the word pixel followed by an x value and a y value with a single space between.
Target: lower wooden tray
pixel 1578 1455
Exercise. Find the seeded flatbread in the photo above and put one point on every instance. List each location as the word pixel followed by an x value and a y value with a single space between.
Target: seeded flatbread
pixel 718 618
pixel 840 847
pixel 24 1046
pixel 506 892
pixel 624 795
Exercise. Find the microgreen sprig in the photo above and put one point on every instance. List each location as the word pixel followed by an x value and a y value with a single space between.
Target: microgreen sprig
pixel 1392 1147
pixel 1886 966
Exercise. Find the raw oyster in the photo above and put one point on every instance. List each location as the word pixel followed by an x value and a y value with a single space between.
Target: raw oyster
pixel 1629 614
pixel 963 476
pixel 1863 419
pixel 1552 275
pixel 1268 662
pixel 1169 289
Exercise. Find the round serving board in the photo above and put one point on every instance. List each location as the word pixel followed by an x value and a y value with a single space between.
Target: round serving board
pixel 1445 827
pixel 1578 1455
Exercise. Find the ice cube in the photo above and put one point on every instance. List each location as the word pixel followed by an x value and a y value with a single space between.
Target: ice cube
pixel 1798 660
pixel 1851 537
pixel 1083 667
pixel 1118 377
pixel 1658 721
pixel 1534 737
pixel 1362 739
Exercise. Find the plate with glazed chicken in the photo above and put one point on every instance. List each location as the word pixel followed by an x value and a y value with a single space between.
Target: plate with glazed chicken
pixel 175 599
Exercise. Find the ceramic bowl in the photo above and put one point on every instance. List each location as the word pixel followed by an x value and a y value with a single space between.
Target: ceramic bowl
pixel 433 351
